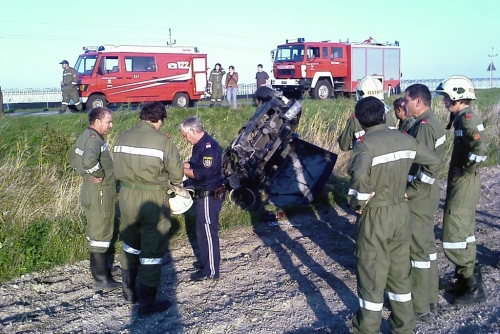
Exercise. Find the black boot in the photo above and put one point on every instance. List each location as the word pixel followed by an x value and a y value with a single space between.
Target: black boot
pixel 211 105
pixel 128 286
pixel 99 269
pixel 459 287
pixel 474 292
pixel 148 303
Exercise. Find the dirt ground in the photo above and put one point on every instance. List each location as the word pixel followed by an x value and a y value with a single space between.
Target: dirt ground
pixel 297 277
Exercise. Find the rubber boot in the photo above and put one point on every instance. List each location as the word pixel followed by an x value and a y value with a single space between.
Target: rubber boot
pixel 99 269
pixel 459 287
pixel 148 303
pixel 128 285
pixel 474 292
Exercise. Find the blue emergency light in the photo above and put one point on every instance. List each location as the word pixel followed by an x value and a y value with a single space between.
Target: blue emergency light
pixel 296 40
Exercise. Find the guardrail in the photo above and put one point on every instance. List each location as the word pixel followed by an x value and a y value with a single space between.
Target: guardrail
pixel 51 95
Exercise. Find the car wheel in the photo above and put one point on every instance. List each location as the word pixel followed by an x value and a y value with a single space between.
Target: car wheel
pixel 96 101
pixel 323 90
pixel 181 100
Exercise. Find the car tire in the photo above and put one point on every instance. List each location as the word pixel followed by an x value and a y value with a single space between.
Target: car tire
pixel 323 90
pixel 181 100
pixel 96 101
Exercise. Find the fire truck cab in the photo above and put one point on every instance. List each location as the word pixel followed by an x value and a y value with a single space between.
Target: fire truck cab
pixel 130 74
pixel 326 68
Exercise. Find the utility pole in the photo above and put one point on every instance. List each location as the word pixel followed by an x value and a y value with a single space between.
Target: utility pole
pixel 169 43
pixel 492 67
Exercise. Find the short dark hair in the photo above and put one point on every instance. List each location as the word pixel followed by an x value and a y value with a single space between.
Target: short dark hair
pixel 260 65
pixel 231 67
pixel 398 103
pixel 421 91
pixel 369 111
pixel 97 113
pixel 153 112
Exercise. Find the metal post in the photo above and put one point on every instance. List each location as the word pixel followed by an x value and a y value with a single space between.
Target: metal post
pixel 491 67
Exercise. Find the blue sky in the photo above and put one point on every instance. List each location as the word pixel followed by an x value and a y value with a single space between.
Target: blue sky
pixel 437 38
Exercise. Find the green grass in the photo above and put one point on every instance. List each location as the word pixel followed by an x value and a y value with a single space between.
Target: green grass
pixel 42 225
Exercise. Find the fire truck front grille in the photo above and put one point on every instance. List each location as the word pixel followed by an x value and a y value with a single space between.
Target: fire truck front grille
pixel 289 72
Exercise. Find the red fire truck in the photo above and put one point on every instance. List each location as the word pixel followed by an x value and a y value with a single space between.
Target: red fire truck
pixel 122 74
pixel 326 68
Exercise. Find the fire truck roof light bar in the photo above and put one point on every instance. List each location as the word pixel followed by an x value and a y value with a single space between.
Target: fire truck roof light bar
pixel 296 40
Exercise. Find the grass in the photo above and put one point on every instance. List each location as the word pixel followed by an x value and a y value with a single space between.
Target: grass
pixel 42 225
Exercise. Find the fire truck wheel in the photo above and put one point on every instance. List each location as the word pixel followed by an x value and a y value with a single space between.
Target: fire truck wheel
pixel 243 197
pixel 181 100
pixel 96 101
pixel 323 90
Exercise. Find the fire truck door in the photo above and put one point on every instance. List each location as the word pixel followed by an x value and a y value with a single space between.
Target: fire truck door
pixel 141 74
pixel 110 76
pixel 338 61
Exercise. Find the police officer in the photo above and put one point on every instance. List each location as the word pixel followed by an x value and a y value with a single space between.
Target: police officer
pixel 423 201
pixel 368 86
pixel 204 171
pixel 90 157
pixel 463 189
pixel 378 169
pixel 215 82
pixel 405 121
pixel 69 87
pixel 145 162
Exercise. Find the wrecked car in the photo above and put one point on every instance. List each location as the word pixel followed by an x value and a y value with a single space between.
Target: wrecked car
pixel 268 156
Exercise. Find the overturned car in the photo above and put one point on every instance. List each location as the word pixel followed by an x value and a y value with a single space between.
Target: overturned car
pixel 268 155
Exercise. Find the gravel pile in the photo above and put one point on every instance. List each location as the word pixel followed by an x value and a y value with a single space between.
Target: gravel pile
pixel 296 277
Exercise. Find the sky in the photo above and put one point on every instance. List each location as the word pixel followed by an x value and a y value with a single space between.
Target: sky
pixel 437 38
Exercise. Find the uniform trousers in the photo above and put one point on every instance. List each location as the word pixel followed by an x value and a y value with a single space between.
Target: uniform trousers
pixel 207 211
pixel 70 93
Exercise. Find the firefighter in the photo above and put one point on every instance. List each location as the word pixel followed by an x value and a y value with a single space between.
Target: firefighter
pixel 90 157
pixel 405 121
pixel 423 200
pixel 215 83
pixel 145 162
pixel 463 189
pixel 378 169
pixel 204 170
pixel 368 86
pixel 69 87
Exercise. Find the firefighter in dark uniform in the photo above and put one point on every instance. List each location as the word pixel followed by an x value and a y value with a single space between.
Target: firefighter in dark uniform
pixel 215 82
pixel 145 162
pixel 368 86
pixel 91 158
pixel 69 87
pixel 463 189
pixel 378 170
pixel 405 121
pixel 423 200
pixel 204 170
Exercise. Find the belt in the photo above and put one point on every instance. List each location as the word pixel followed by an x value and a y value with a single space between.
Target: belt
pixel 141 186
pixel 203 193
pixel 393 201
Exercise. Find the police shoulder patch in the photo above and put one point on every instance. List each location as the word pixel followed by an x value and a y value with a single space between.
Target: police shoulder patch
pixel 207 162
pixel 208 145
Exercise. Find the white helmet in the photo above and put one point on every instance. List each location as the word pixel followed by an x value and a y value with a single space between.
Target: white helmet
pixel 369 86
pixel 180 200
pixel 457 87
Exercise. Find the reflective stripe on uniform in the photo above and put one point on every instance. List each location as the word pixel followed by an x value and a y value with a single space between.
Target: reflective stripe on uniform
pixel 459 133
pixel 477 158
pixel 371 306
pixel 102 244
pixel 359 134
pixel 210 243
pixel 433 257
pixel 425 178
pixel 130 250
pixel 410 178
pixel 358 195
pixel 392 127
pixel 149 152
pixel 460 244
pixel 79 151
pixel 77 103
pixel 394 156
pixel 480 127
pixel 65 103
pixel 154 260
pixel 94 169
pixel 104 147
pixel 421 264
pixel 440 141
pixel 399 297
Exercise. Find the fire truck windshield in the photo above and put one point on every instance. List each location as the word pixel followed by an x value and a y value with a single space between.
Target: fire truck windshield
pixel 85 64
pixel 290 53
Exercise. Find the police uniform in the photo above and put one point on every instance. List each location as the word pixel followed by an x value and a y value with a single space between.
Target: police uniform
pixel 206 163
pixel 90 157
pixel 145 162
pixel 216 83
pixel 380 164
pixel 423 203
pixel 353 130
pixel 405 125
pixel 69 89
pixel 462 193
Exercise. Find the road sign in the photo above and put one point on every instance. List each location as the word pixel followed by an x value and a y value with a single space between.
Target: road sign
pixel 491 67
